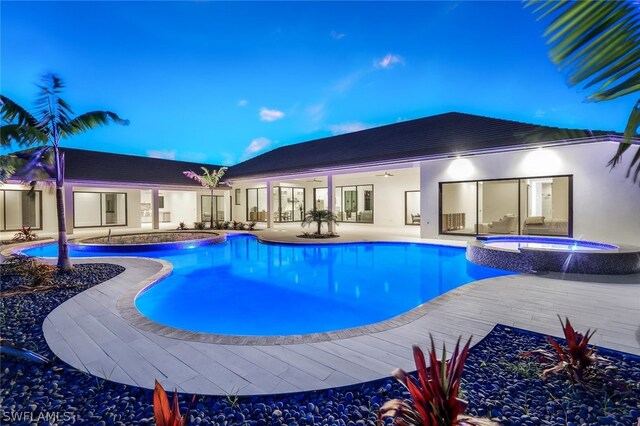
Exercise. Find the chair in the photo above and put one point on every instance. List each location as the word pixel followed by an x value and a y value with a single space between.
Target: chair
pixel 502 226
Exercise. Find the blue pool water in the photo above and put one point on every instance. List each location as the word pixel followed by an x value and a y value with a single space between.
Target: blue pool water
pixel 244 287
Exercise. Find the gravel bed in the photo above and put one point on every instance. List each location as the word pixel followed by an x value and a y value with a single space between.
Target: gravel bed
pixel 496 383
pixel 150 237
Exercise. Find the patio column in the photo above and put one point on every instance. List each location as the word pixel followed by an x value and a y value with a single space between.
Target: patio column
pixel 330 198
pixel 269 206
pixel 68 208
pixel 155 206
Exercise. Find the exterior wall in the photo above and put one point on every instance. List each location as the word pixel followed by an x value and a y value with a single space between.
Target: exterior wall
pixel 605 203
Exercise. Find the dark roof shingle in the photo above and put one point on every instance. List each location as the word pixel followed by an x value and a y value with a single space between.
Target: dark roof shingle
pixel 450 133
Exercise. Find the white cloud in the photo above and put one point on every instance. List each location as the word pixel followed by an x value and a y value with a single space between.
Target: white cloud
pixel 270 114
pixel 350 127
pixel 256 145
pixel 162 153
pixel 540 113
pixel 228 159
pixel 336 35
pixel 242 102
pixel 389 61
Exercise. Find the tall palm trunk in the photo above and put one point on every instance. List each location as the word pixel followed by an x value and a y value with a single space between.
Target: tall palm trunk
pixel 211 224
pixel 64 263
pixel 319 226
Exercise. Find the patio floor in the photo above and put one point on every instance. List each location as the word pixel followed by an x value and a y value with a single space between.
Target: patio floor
pixel 89 333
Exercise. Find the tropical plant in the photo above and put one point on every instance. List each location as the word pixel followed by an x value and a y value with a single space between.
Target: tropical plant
pixel 597 43
pixel 226 224
pixel 39 275
pixel 237 225
pixel 251 226
pixel 319 217
pixel 25 234
pixel 165 414
pixel 208 180
pixel 182 227
pixel 51 123
pixel 434 393
pixel 199 225
pixel 578 360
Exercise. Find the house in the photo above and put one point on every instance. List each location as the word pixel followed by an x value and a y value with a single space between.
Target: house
pixel 451 175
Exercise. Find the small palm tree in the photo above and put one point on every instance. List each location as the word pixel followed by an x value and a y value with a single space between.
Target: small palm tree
pixel 598 44
pixel 319 217
pixel 208 180
pixel 51 123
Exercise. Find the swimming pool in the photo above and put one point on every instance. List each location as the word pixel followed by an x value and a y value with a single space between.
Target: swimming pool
pixel 244 287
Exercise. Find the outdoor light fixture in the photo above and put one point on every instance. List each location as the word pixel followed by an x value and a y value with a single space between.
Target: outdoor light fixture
pixel 541 162
pixel 460 168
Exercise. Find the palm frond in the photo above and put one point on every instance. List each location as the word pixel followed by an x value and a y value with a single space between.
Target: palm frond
pixel 90 120
pixel 597 44
pixel 53 111
pixel 11 112
pixel 193 175
pixel 23 135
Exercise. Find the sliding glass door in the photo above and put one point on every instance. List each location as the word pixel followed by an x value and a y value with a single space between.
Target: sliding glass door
pixel 257 204
pixel 530 206
pixel 288 204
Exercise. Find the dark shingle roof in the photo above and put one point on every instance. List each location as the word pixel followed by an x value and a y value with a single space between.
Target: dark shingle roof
pixel 451 133
pixel 103 166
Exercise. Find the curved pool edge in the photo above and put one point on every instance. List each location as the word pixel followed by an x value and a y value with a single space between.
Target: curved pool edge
pixel 84 244
pixel 624 260
pixel 128 311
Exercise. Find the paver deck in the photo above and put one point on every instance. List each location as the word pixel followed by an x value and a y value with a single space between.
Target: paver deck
pixel 88 333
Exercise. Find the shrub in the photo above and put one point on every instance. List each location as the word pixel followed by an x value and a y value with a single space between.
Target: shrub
pixel 434 393
pixel 182 227
pixel 165 414
pixel 237 225
pixel 25 234
pixel 578 360
pixel 251 226
pixel 199 225
pixel 226 224
pixel 39 274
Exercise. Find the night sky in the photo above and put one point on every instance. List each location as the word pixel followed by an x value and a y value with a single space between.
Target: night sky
pixel 220 82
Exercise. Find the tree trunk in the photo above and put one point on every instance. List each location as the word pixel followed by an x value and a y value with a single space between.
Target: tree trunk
pixel 64 263
pixel 211 224
pixel 319 226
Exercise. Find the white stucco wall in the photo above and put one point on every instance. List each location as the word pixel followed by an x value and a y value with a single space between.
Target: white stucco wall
pixel 605 203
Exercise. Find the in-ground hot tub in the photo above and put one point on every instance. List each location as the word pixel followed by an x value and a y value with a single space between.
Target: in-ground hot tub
pixel 147 241
pixel 538 254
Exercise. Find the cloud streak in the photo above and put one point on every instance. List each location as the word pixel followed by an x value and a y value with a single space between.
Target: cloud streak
pixel 242 102
pixel 257 145
pixel 164 154
pixel 389 61
pixel 270 114
pixel 350 127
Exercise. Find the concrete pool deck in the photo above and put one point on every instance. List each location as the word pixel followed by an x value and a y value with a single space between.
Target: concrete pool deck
pixel 89 333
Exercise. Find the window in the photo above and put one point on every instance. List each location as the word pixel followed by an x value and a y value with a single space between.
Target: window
pixel 237 196
pixel 205 208
pixel 98 209
pixel 288 204
pixel 321 198
pixel 354 203
pixel 257 204
pixel 412 207
pixel 20 208
pixel 530 206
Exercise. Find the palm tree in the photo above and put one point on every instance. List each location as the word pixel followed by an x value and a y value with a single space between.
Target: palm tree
pixel 320 217
pixel 208 180
pixel 598 44
pixel 51 123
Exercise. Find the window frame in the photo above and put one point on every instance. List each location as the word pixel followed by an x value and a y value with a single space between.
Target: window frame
pixel 519 179
pixel 257 203
pixel 126 209
pixel 341 187
pixel 4 210
pixel 216 198
pixel 406 210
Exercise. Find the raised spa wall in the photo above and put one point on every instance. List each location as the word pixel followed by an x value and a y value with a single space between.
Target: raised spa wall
pixel 624 260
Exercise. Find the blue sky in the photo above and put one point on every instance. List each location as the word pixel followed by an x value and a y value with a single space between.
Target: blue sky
pixel 220 82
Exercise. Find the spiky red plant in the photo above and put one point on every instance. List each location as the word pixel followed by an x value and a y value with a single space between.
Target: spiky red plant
pixel 165 414
pixel 434 394
pixel 578 359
